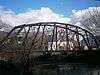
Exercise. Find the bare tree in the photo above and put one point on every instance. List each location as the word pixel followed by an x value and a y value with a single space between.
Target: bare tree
pixel 89 19
pixel 4 26
pixel 92 23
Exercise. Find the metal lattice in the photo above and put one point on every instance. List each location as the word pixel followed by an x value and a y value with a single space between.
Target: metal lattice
pixel 39 38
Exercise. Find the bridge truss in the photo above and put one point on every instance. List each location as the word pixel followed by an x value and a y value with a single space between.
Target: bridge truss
pixel 46 37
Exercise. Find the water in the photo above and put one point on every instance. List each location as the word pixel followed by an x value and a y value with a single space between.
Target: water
pixel 66 69
pixel 7 68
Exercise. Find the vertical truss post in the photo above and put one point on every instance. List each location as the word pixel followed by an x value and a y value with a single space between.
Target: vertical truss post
pixel 87 37
pixel 56 38
pixel 95 40
pixel 67 40
pixel 85 40
pixel 42 39
pixel 77 37
pixel 53 37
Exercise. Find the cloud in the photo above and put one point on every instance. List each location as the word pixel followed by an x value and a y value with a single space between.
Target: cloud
pixel 44 14
pixel 41 15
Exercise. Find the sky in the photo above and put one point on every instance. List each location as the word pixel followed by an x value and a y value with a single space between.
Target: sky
pixel 63 7
pixel 18 12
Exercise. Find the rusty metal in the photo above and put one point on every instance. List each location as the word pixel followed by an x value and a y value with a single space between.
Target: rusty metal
pixel 47 37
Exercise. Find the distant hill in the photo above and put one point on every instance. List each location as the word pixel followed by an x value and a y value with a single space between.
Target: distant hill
pixel 2 34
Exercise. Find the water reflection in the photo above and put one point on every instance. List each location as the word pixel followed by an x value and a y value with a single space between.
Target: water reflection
pixel 65 69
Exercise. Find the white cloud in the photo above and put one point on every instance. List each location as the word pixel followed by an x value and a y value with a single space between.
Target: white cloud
pixel 44 14
pixel 74 11
pixel 41 15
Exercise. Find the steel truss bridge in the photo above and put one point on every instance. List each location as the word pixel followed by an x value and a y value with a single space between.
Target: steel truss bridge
pixel 46 37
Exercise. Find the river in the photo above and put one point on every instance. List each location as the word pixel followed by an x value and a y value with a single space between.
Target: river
pixel 66 69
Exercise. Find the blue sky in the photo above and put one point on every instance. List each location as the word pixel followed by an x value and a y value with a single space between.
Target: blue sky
pixel 63 7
